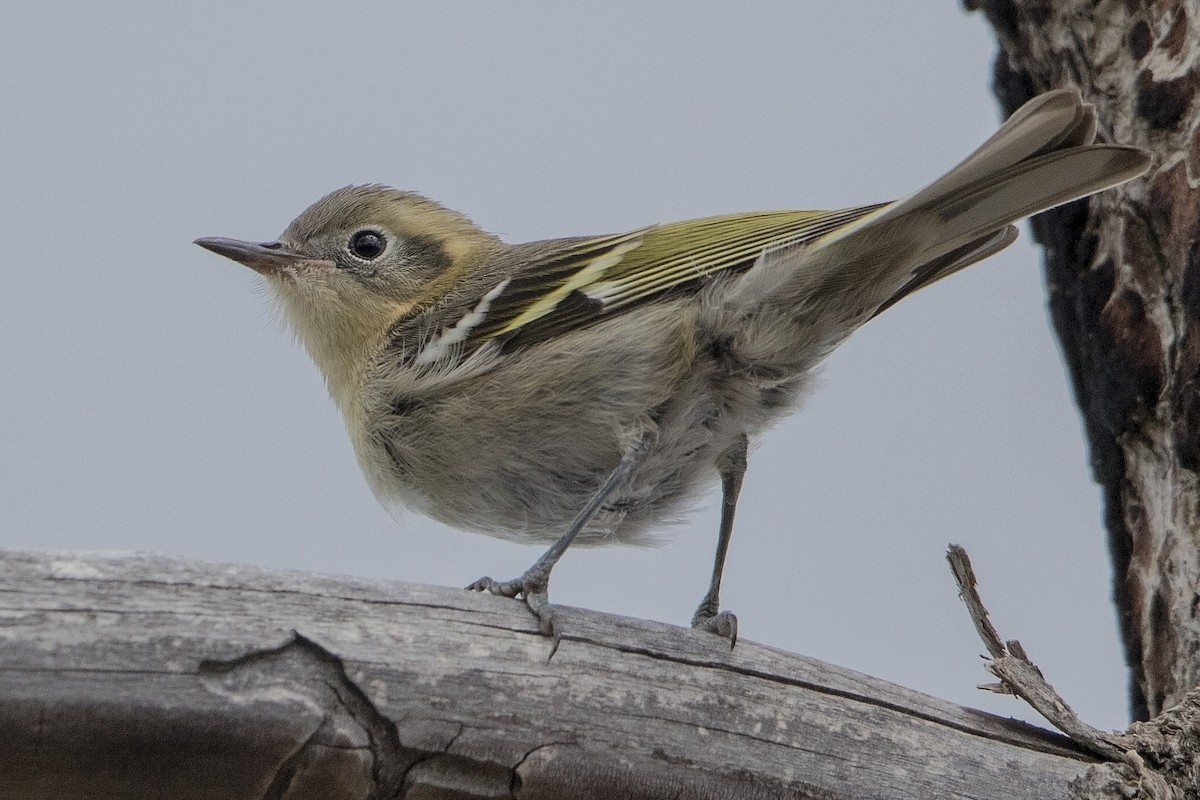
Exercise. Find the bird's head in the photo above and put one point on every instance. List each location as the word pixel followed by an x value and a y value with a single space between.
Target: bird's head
pixel 356 261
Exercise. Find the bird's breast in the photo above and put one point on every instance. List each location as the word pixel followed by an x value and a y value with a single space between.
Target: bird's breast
pixel 518 449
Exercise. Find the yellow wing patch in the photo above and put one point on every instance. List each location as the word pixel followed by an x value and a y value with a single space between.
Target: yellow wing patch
pixel 560 289
pixel 591 272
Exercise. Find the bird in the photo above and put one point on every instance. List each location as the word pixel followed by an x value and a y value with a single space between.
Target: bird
pixel 583 390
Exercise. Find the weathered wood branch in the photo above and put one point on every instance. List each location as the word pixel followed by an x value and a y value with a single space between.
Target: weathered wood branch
pixel 140 676
pixel 1157 760
pixel 1124 275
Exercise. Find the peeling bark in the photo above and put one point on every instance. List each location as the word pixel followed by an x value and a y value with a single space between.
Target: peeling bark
pixel 1123 270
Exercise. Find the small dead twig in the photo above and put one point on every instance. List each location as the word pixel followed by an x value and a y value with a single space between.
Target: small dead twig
pixel 1019 675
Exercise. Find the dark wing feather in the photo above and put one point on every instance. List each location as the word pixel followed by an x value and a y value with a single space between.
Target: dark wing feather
pixel 569 284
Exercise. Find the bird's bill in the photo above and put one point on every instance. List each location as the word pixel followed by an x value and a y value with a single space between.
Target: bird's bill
pixel 265 258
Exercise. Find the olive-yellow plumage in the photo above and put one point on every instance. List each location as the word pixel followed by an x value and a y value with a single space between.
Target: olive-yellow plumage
pixel 585 389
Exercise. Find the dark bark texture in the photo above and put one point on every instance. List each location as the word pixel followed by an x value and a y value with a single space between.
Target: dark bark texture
pixel 1123 270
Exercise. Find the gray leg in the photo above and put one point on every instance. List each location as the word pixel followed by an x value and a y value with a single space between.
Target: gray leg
pixel 534 583
pixel 708 617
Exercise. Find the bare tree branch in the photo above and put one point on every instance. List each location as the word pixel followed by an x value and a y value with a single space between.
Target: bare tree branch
pixel 140 676
pixel 1159 759
pixel 1017 673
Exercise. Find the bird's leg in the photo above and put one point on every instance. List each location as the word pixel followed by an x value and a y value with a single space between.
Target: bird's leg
pixel 731 464
pixel 534 583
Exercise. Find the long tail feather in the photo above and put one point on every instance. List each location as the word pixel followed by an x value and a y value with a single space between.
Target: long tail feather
pixel 1041 157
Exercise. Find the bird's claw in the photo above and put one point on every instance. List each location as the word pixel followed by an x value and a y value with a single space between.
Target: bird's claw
pixel 536 597
pixel 723 624
pixel 501 588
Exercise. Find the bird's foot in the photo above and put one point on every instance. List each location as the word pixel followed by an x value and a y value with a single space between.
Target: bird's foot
pixel 722 623
pixel 533 588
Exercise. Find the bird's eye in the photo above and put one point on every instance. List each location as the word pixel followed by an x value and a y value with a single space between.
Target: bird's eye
pixel 367 244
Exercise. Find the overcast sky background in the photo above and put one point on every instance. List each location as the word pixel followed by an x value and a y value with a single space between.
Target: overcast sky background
pixel 151 402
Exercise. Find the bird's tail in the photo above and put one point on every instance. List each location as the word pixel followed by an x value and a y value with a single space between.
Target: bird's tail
pixel 1041 157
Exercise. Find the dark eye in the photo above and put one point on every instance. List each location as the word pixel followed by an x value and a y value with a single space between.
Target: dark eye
pixel 368 244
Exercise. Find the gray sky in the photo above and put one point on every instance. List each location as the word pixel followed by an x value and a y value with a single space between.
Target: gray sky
pixel 152 402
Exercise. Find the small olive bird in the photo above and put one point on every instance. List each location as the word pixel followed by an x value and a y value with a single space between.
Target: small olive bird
pixel 584 389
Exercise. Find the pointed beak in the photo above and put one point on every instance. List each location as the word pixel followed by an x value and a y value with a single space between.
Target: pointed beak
pixel 265 258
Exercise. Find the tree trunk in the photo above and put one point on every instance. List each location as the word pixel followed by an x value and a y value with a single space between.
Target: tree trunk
pixel 1123 269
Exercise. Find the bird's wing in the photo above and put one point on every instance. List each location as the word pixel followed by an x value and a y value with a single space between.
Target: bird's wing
pixel 556 287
